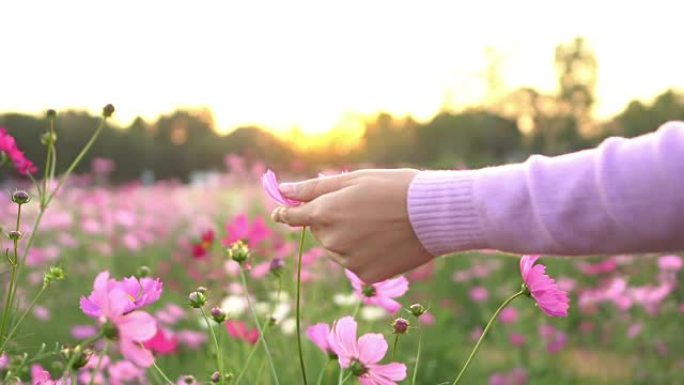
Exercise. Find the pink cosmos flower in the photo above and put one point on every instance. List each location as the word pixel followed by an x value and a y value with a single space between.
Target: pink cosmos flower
pixel 318 334
pixel 670 263
pixel 200 249
pixel 140 292
pixel 478 294
pixel 239 330
pixel 239 229
pixel 270 185
pixel 509 315
pixel 362 356
pixel 191 339
pixel 4 361
pixel 163 343
pixel 40 376
pixel 112 302
pixel 516 339
pixel 9 146
pixel 380 293
pixel 542 288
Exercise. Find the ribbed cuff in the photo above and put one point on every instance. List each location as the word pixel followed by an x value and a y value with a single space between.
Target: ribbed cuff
pixel 443 213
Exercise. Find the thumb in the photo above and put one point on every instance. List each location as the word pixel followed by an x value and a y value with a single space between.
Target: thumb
pixel 311 189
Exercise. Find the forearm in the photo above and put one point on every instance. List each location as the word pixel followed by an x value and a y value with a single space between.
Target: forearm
pixel 627 195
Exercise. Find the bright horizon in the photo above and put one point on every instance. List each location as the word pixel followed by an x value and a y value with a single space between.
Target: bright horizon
pixel 316 67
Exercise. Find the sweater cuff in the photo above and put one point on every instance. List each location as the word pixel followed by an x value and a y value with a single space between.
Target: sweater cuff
pixel 442 210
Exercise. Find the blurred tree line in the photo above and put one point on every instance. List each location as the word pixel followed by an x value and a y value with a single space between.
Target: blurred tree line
pixel 506 129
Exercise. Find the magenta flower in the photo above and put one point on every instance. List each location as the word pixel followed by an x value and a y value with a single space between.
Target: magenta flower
pixel 114 308
pixel 270 185
pixel 140 293
pixel 380 293
pixel 163 343
pixel 542 288
pixel 361 357
pixel 319 334
pixel 240 331
pixel 239 229
pixel 9 147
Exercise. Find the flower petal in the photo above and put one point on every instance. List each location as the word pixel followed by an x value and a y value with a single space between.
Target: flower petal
pixel 137 326
pixel 372 348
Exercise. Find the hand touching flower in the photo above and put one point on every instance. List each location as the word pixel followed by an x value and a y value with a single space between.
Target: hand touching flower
pixel 361 218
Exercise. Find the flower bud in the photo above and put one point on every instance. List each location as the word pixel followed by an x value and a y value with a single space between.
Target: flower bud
pixel 238 252
pixel 54 273
pixel 215 378
pixel 51 114
pixel 77 354
pixel 197 299
pixel 21 197
pixel 202 289
pixel 189 380
pixel 276 266
pixel 14 235
pixel 400 325
pixel 108 110
pixel 143 272
pixel 48 137
pixel 218 315
pixel 417 309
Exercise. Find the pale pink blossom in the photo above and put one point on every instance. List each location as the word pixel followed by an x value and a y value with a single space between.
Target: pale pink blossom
pixel 381 293
pixel 478 294
pixel 270 185
pixel 670 263
pixel 319 334
pixel 362 356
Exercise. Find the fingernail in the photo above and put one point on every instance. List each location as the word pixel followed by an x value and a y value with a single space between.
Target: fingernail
pixel 287 188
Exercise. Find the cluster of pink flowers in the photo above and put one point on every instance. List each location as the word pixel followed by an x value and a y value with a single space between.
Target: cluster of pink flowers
pixel 9 147
pixel 115 305
pixel 360 356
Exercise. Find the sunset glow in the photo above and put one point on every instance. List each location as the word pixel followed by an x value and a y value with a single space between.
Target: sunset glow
pixel 310 67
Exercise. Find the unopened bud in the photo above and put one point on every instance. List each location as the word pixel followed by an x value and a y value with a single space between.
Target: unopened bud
pixel 276 266
pixel 51 113
pixel 21 197
pixel 189 380
pixel 417 309
pixel 14 235
pixel 215 378
pixel 202 289
pixel 400 326
pixel 218 315
pixel 54 273
pixel 238 252
pixel 197 299
pixel 143 272
pixel 48 137
pixel 108 110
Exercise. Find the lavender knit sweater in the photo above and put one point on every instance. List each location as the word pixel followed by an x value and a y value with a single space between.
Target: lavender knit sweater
pixel 625 196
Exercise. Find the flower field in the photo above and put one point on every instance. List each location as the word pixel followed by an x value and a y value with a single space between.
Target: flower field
pixel 175 283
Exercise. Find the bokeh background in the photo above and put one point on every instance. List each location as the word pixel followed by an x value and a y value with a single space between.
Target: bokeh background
pixel 210 94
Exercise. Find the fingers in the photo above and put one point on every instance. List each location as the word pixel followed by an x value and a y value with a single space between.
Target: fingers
pixel 294 216
pixel 308 190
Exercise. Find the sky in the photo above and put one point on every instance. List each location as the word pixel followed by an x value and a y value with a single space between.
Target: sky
pixel 315 65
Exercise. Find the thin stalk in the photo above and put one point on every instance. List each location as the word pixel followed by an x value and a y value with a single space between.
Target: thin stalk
pixel 415 368
pixel 394 346
pixel 219 356
pixel 99 363
pixel 484 333
pixel 346 377
pixel 298 317
pixel 161 373
pixel 13 281
pixel 249 358
pixel 319 381
pixel 21 319
pixel 258 324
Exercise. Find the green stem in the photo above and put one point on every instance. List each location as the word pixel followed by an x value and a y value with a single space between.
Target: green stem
pixel 346 378
pixel 484 333
pixel 249 358
pixel 13 282
pixel 258 324
pixel 77 160
pixel 394 346
pixel 99 363
pixel 161 373
pixel 21 319
pixel 357 308
pixel 219 358
pixel 298 317
pixel 415 368
pixel 319 381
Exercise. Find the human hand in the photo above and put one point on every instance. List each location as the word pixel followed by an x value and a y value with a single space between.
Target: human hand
pixel 361 218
